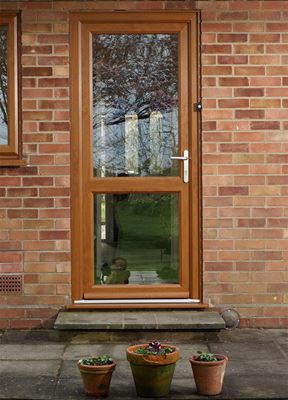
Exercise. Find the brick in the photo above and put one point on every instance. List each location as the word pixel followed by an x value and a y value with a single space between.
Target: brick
pixel 28 60
pixel 36 28
pixel 233 16
pixel 53 60
pixel 232 125
pixel 269 125
pixel 277 48
pixel 279 158
pixel 248 92
pixel 251 222
pixel 37 93
pixel 39 181
pixel 249 71
pixel 37 50
pixel 265 81
pixel 264 37
pixel 264 60
pixel 265 103
pixel 248 27
pixel 234 81
pixel 233 191
pixel 216 27
pixel 22 192
pixel 53 82
pixel 217 49
pixel 232 37
pixel 214 70
pixel 233 59
pixel 234 148
pixel 54 148
pixel 249 114
pixel 249 180
pixel 53 104
pixel 265 15
pixel 38 138
pixel 38 203
pixel 4 203
pixel 248 48
pixel 28 82
pixel 22 213
pixel 53 38
pixel 277 27
pixel 54 126
pixel 36 71
pixel 233 103
pixel 265 147
pixel 278 222
pixel 37 115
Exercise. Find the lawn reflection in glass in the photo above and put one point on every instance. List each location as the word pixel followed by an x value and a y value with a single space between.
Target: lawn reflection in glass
pixel 136 238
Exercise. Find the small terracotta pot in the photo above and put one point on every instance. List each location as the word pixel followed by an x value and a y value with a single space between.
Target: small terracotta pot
pixel 152 373
pixel 209 376
pixel 96 378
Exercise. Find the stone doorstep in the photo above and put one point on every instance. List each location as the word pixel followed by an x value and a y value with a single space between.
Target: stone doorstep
pixel 139 320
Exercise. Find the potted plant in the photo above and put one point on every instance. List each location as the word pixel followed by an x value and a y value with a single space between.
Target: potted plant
pixel 96 374
pixel 208 370
pixel 152 366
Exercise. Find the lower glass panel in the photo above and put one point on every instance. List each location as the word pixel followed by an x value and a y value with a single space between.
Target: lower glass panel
pixel 136 238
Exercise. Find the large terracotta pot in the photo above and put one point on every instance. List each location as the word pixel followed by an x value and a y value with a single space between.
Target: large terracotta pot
pixel 152 373
pixel 96 378
pixel 209 375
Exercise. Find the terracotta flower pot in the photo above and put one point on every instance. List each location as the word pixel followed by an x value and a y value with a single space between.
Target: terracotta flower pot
pixel 152 373
pixel 96 378
pixel 209 375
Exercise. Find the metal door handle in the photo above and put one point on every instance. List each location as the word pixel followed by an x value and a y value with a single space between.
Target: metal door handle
pixel 185 159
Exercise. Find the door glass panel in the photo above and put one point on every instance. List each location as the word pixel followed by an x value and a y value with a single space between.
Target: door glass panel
pixel 136 238
pixel 3 85
pixel 135 104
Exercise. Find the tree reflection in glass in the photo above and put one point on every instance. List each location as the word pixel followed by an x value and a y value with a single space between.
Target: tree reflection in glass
pixel 135 104
pixel 3 85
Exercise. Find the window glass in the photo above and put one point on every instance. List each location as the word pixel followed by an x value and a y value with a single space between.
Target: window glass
pixel 3 85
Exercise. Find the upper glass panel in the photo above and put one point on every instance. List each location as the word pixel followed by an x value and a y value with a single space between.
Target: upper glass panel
pixel 3 85
pixel 135 104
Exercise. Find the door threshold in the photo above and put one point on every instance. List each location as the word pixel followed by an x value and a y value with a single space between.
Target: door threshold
pixel 138 301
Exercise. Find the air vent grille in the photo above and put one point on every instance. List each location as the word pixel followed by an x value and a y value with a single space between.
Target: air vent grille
pixel 10 284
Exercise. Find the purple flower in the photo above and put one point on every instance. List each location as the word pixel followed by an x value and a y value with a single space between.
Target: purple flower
pixel 155 345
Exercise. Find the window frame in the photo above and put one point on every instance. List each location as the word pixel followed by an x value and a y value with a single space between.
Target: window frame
pixel 10 154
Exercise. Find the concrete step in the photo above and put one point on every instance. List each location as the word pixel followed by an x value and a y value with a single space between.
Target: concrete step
pixel 139 320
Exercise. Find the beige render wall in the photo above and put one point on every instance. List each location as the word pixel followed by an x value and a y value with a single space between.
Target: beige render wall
pixel 245 161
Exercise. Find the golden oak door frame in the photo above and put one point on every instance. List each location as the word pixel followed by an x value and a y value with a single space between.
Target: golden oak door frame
pixel 84 185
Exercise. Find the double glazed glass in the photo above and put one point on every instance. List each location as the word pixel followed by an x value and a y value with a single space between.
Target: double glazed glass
pixel 3 85
pixel 135 104
pixel 136 238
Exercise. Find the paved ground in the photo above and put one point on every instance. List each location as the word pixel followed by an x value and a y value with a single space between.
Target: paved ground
pixel 43 365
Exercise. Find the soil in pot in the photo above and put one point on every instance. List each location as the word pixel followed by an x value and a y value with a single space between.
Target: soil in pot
pixel 209 375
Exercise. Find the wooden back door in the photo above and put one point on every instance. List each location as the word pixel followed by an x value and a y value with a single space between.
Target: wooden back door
pixel 135 199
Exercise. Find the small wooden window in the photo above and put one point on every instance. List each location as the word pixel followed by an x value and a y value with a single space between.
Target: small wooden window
pixel 10 149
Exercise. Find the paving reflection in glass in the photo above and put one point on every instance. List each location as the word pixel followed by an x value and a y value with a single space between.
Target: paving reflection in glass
pixel 136 238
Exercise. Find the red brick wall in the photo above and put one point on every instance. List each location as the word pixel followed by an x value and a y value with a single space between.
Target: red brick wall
pixel 245 144
pixel 245 161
